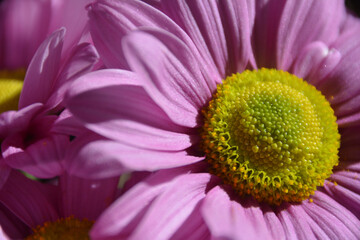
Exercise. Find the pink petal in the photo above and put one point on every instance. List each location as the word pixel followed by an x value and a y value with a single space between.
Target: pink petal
pixel 17 121
pixel 81 61
pixel 304 22
pixel 119 109
pixel 42 70
pixel 67 124
pixel 42 159
pixel 29 200
pixel 172 207
pixel 11 225
pixel 86 198
pixel 25 26
pixel 273 223
pixel 229 219
pixel 4 172
pixel 170 74
pixel 335 220
pixel 103 158
pixel 124 215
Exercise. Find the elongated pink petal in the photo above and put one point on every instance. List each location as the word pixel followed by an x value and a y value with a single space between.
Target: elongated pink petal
pixel 228 219
pixel 171 76
pixel 327 213
pixel 104 158
pixel 42 159
pixel 273 223
pixel 81 61
pixel 173 207
pixel 120 219
pixel 86 198
pixel 4 172
pixel 31 201
pixel 42 71
pixel 25 25
pixel 119 109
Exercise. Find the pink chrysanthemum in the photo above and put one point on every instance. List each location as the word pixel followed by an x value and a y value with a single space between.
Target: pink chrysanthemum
pixel 174 112
pixel 64 209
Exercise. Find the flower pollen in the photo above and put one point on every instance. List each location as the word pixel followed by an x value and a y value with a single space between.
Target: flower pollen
pixel 11 83
pixel 269 134
pixel 68 228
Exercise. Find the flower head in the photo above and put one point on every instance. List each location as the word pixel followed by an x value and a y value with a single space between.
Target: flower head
pixel 181 105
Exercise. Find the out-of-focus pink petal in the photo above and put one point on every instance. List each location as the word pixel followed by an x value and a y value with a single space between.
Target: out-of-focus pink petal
pixel 171 76
pixel 4 172
pixel 25 26
pixel 119 109
pixel 228 219
pixel 104 158
pixel 327 213
pixel 17 121
pixel 29 200
pixel 42 159
pixel 42 71
pixel 66 123
pixel 86 198
pixel 81 61
pixel 121 218
pixel 11 225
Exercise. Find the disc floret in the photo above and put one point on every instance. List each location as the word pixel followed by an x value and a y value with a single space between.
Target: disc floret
pixel 271 135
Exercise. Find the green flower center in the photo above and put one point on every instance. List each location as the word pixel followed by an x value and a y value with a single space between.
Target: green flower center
pixel 11 83
pixel 68 228
pixel 271 135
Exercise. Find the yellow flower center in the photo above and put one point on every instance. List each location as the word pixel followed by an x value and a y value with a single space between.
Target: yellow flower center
pixel 271 135
pixel 11 83
pixel 68 228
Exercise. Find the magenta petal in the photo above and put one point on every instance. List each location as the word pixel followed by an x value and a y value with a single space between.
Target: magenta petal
pixel 81 61
pixel 86 198
pixel 172 207
pixel 304 22
pixel 273 223
pixel 228 219
pixel 24 26
pixel 335 220
pixel 30 200
pixel 119 109
pixel 42 159
pixel 103 158
pixel 17 121
pixel 11 225
pixel 120 219
pixel 171 76
pixel 42 70
pixel 4 172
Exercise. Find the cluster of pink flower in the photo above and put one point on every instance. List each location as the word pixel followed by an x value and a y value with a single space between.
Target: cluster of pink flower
pixel 102 111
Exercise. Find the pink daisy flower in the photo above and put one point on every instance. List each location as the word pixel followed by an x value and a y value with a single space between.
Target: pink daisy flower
pixel 237 156
pixel 65 209
pixel 34 137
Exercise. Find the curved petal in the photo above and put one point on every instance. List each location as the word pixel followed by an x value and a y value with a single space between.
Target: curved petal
pixel 117 108
pixel 26 25
pixel 171 76
pixel 11 225
pixel 229 219
pixel 4 172
pixel 172 207
pixel 335 220
pixel 42 159
pixel 81 61
pixel 104 158
pixel 86 198
pixel 273 223
pixel 42 70
pixel 124 215
pixel 110 21
pixel 31 201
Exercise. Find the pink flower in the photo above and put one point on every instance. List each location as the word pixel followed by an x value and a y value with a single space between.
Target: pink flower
pixel 26 204
pixel 24 25
pixel 178 51
pixel 34 138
